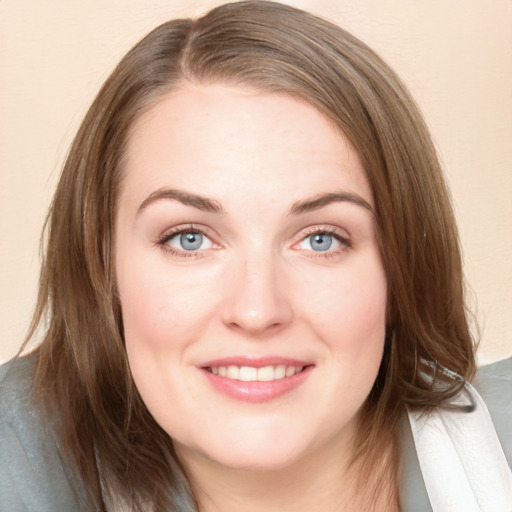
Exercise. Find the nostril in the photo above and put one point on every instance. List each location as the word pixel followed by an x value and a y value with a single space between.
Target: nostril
pixel 255 326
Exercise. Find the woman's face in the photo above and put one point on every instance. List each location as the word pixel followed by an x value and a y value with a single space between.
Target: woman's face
pixel 251 284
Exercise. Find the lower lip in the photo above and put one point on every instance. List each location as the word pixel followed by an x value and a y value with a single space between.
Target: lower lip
pixel 256 391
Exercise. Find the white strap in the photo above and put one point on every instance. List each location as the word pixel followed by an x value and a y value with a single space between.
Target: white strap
pixel 461 459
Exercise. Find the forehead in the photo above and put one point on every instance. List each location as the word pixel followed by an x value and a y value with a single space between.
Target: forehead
pixel 215 137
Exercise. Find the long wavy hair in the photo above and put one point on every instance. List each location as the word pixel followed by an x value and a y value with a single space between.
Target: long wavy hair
pixel 82 374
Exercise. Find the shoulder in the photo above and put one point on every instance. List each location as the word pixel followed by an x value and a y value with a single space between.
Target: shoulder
pixel 16 410
pixel 15 387
pixel 494 384
pixel 32 475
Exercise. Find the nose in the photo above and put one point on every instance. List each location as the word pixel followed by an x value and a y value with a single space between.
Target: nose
pixel 258 302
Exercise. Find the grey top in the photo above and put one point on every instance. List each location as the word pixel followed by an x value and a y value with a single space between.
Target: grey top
pixel 34 478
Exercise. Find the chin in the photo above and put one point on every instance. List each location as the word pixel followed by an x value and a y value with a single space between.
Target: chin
pixel 247 453
pixel 258 459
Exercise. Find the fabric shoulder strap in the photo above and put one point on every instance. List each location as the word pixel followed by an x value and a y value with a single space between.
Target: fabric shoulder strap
pixel 461 459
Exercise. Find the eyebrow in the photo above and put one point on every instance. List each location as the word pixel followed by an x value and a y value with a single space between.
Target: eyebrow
pixel 187 198
pixel 213 206
pixel 321 200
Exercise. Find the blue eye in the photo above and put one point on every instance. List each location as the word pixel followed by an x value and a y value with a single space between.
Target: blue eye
pixel 320 242
pixel 190 241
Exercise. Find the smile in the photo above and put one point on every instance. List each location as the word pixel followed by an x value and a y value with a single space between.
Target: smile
pixel 252 374
pixel 259 380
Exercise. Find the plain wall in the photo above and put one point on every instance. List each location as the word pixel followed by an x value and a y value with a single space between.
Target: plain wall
pixel 456 56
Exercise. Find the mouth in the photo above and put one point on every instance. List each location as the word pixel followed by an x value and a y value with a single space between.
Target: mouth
pixel 256 380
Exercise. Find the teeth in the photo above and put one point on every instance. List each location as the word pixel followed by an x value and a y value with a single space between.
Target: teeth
pixel 247 373
pixel 233 372
pixel 280 372
pixel 289 371
pixel 266 373
pixel 251 374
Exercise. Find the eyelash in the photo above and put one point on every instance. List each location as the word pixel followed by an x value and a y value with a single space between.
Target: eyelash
pixel 345 242
pixel 163 240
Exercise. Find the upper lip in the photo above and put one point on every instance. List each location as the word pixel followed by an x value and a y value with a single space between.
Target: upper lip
pixel 254 362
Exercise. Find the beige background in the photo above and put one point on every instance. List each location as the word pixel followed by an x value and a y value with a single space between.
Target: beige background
pixel 456 56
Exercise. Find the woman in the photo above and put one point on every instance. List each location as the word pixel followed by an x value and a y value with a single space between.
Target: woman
pixel 252 273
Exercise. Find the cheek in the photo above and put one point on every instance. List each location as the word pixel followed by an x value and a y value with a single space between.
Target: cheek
pixel 161 308
pixel 162 318
pixel 351 304
pixel 349 315
pixel 147 310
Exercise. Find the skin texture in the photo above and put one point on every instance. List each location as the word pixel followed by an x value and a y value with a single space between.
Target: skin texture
pixel 255 288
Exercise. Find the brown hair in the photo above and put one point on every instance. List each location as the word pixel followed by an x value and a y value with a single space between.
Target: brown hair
pixel 82 368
